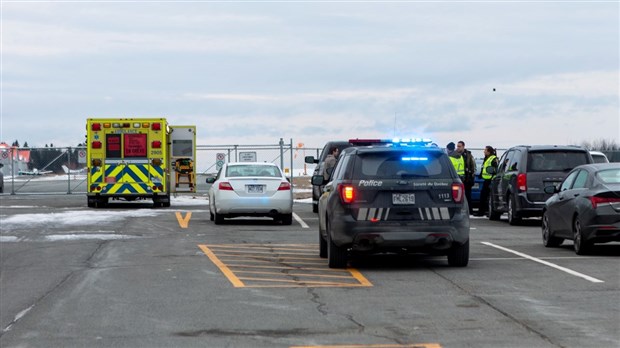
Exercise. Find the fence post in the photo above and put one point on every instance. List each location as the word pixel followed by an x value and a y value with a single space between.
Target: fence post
pixel 13 171
pixel 292 167
pixel 281 154
pixel 68 171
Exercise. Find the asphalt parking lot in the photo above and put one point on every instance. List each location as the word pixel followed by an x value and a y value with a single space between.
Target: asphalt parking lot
pixel 134 276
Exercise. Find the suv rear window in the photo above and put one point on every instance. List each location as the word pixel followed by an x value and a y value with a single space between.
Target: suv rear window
pixel 555 161
pixel 398 165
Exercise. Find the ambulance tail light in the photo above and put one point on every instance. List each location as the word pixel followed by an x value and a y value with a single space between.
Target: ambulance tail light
pixel 156 126
pixel 159 187
pixel 96 145
pixel 347 193
pixel 156 144
pixel 458 191
pixel 156 162
pixel 95 127
pixel 522 182
pixel 284 186
pixel 225 186
pixel 126 125
pixel 96 162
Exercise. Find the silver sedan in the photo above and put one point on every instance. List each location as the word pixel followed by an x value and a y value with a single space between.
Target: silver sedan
pixel 250 189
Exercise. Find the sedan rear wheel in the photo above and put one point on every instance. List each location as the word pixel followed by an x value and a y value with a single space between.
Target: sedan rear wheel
pixel 322 246
pixel 549 240
pixel 579 244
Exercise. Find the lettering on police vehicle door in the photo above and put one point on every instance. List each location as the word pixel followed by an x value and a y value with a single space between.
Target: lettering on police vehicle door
pixel 370 183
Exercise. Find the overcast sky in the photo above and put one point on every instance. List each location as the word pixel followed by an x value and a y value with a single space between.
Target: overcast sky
pixel 254 72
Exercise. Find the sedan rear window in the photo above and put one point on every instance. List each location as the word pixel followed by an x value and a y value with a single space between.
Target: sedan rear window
pixel 399 165
pixel 609 176
pixel 253 170
pixel 555 161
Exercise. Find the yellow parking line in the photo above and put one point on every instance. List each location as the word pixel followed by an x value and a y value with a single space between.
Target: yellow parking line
pixel 415 345
pixel 295 274
pixel 183 221
pixel 230 275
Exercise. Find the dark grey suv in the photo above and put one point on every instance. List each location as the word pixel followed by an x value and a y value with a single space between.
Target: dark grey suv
pixel 523 172
pixel 320 162
pixel 393 198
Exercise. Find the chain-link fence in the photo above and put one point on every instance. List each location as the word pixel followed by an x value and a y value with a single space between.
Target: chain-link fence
pixel 54 170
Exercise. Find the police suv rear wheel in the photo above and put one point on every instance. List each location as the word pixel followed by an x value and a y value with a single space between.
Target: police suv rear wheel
pixel 336 256
pixel 459 255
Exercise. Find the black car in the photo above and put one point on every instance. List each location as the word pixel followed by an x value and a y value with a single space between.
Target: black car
pixel 393 198
pixel 584 208
pixel 523 172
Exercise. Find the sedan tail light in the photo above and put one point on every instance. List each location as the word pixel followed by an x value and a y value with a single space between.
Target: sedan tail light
pixel 596 200
pixel 225 186
pixel 458 191
pixel 347 193
pixel 284 186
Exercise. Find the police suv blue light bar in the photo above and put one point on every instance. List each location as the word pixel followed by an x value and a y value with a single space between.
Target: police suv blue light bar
pixel 414 158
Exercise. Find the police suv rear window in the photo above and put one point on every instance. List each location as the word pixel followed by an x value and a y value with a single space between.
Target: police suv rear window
pixel 399 165
pixel 555 161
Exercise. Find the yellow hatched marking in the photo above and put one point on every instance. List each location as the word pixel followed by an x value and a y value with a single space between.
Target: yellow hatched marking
pixel 295 274
pixel 244 247
pixel 227 272
pixel 261 259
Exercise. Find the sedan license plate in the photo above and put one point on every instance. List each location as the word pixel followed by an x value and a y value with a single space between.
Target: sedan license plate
pixel 403 198
pixel 255 188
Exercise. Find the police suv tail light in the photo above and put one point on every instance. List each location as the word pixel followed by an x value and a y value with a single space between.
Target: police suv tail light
pixel 347 193
pixel 522 182
pixel 458 191
pixel 284 186
pixel 225 186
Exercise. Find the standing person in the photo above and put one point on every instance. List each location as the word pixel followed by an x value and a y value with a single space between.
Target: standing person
pixel 457 160
pixel 490 160
pixel 470 172
pixel 330 162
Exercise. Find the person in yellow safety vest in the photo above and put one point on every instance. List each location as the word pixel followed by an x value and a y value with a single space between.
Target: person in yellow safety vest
pixel 470 172
pixel 490 160
pixel 457 160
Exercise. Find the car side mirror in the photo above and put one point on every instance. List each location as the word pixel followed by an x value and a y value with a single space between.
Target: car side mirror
pixel 310 159
pixel 210 180
pixel 491 170
pixel 318 180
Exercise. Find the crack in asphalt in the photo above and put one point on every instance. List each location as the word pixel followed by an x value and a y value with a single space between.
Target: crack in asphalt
pixel 22 313
pixel 497 309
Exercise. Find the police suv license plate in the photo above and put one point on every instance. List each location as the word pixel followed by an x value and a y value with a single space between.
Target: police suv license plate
pixel 403 198
pixel 255 188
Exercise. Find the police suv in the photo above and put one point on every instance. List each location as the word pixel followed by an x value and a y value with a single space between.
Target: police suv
pixel 404 196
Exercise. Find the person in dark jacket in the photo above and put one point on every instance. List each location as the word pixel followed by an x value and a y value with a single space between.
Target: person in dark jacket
pixel 470 172
pixel 490 160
